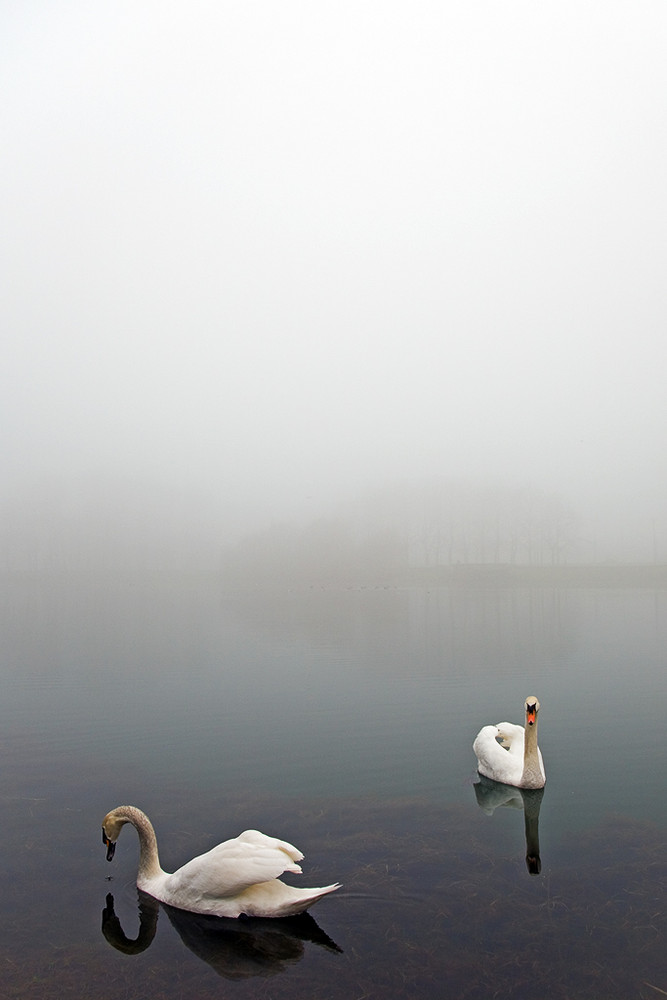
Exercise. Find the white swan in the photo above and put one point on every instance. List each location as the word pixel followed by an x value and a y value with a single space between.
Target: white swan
pixel 237 877
pixel 510 754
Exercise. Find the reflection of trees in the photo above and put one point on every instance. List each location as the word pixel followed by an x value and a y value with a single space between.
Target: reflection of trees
pixel 428 525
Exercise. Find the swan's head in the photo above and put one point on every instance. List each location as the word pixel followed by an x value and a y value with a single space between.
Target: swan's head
pixel 111 827
pixel 532 708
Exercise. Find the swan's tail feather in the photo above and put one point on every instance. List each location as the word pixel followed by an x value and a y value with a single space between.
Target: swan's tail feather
pixel 305 899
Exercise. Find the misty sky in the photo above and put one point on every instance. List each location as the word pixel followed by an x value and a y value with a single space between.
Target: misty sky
pixel 269 254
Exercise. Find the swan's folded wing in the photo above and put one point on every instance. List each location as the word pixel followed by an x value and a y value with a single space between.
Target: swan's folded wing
pixel 261 840
pixel 493 760
pixel 512 736
pixel 235 865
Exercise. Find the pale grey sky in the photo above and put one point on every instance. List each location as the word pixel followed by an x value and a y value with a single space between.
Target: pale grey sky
pixel 266 254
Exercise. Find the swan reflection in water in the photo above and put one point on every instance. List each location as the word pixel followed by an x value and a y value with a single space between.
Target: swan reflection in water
pixel 234 948
pixel 491 794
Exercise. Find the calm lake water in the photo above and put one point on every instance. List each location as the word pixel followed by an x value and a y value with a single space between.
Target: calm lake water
pixel 341 720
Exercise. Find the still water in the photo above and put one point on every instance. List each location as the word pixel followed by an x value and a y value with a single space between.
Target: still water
pixel 341 720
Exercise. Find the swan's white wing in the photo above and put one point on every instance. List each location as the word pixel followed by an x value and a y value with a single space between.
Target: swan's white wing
pixel 495 762
pixel 233 866
pixel 261 840
pixel 512 737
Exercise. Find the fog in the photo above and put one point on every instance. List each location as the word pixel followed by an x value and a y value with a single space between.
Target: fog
pixel 263 260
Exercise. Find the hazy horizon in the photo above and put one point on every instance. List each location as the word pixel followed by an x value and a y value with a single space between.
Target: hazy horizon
pixel 260 261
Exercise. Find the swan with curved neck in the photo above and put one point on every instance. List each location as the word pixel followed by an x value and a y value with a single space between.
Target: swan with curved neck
pixel 509 753
pixel 237 877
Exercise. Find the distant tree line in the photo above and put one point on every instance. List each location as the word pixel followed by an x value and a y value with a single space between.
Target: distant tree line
pixel 389 532
pixel 458 523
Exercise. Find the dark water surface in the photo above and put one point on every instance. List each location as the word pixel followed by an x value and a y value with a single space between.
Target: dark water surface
pixel 341 720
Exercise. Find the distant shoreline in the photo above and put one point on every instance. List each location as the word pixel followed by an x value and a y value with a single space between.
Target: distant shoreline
pixel 492 575
pixel 466 575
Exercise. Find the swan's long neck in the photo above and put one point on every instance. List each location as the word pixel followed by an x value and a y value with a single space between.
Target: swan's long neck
pixel 149 862
pixel 532 772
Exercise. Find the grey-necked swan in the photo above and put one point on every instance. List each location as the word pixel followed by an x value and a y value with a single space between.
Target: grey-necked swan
pixel 237 877
pixel 509 753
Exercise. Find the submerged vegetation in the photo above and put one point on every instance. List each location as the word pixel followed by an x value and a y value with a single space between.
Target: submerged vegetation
pixel 436 900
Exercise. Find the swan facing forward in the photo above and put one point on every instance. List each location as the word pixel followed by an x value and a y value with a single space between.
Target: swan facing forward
pixel 237 877
pixel 509 753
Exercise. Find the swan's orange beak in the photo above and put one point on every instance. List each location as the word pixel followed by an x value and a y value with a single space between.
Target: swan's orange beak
pixel 531 715
pixel 109 844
